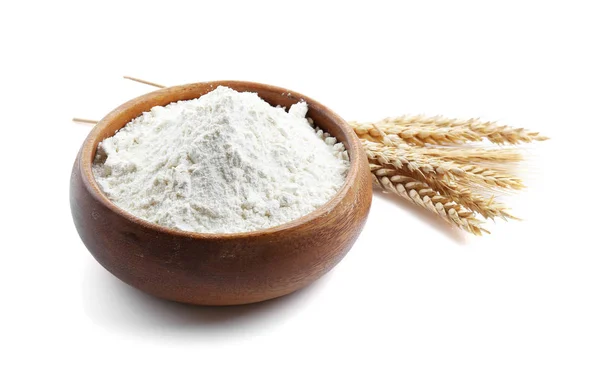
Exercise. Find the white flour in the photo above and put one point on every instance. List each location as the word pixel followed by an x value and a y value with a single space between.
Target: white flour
pixel 226 162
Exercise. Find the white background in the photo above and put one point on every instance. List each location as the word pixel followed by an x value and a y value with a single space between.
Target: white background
pixel 411 294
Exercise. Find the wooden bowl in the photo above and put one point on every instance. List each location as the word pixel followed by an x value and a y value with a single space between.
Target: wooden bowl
pixel 219 269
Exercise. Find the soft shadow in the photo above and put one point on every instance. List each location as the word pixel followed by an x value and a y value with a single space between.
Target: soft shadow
pixel 431 219
pixel 110 303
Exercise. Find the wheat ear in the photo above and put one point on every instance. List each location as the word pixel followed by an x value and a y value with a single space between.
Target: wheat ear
pixel 421 194
pixel 462 193
pixel 498 134
pixel 415 135
pixel 438 130
pixel 403 157
pixel 470 155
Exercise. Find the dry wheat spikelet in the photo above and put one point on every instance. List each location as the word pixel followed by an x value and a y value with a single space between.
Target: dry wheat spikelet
pixel 489 176
pixel 421 194
pixel 464 195
pixel 438 130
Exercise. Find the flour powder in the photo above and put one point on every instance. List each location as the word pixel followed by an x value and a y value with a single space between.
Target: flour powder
pixel 226 162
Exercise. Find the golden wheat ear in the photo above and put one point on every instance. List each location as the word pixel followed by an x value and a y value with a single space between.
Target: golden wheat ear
pixel 419 193
pixel 466 155
pixel 438 130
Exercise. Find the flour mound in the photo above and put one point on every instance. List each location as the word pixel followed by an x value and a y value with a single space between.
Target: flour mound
pixel 225 162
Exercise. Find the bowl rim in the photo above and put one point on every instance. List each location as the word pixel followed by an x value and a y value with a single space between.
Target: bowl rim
pixel 353 147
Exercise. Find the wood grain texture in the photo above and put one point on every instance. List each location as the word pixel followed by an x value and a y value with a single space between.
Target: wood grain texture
pixel 219 269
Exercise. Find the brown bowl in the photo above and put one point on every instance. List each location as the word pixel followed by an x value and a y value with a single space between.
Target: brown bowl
pixel 219 269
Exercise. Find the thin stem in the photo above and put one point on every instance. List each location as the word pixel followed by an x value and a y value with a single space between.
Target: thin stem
pixel 144 82
pixel 84 120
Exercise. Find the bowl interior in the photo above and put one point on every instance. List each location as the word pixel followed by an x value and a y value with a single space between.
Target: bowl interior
pixel 322 116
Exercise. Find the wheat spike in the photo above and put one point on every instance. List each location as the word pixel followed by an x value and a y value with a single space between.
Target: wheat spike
pixel 438 130
pixel 470 155
pixel 462 193
pixel 419 193
pixel 414 135
pixel 498 134
pixel 488 176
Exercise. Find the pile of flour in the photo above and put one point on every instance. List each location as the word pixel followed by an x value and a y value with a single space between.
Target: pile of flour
pixel 226 162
